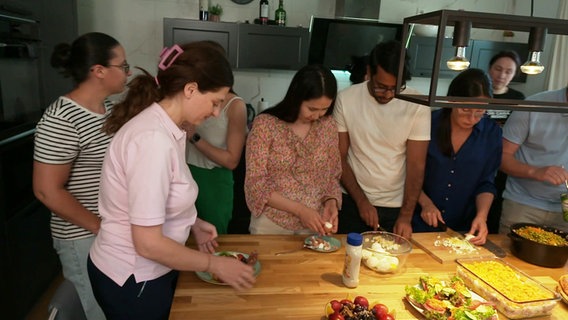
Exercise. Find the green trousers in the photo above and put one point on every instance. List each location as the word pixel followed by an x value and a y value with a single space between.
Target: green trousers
pixel 215 199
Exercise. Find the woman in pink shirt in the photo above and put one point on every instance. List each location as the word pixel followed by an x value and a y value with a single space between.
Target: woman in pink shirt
pixel 292 160
pixel 147 195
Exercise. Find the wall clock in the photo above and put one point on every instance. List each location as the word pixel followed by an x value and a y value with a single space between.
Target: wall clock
pixel 242 1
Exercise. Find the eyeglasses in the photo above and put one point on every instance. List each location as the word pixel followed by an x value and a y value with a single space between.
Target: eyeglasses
pixel 380 88
pixel 125 66
pixel 470 112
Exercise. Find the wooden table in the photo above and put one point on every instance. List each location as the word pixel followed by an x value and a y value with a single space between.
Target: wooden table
pixel 298 285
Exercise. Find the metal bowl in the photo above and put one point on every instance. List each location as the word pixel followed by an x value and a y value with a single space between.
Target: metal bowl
pixel 538 253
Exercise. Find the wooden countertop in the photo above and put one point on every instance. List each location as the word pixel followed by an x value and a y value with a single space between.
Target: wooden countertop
pixel 298 285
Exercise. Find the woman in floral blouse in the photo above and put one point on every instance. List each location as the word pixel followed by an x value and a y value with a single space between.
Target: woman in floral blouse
pixel 292 160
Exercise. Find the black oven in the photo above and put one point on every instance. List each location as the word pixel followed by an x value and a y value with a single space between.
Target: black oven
pixel 28 262
pixel 20 90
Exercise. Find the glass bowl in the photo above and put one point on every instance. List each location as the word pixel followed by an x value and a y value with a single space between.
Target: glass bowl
pixel 385 252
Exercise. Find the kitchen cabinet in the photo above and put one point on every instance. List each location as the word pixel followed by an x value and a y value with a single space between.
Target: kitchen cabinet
pixel 184 30
pixel 479 53
pixel 248 46
pixel 422 52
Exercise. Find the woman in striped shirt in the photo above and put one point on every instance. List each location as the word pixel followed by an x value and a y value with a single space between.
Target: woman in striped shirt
pixel 69 152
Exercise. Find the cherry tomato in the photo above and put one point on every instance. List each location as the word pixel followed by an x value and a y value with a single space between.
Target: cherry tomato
pixel 336 305
pixel 361 301
pixel 345 301
pixel 388 316
pixel 336 316
pixel 380 311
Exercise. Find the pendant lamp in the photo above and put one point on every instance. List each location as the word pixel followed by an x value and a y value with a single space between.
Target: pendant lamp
pixel 463 21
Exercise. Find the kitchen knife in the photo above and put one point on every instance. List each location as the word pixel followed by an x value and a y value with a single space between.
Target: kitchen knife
pixel 489 245
pixel 494 248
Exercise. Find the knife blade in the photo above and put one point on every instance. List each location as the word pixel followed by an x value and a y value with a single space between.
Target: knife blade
pixel 495 249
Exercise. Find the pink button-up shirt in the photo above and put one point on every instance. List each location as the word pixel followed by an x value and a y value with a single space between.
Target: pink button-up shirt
pixel 145 181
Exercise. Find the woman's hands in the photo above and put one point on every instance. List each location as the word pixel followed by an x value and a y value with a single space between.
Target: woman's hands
pixel 233 272
pixel 312 220
pixel 205 234
pixel 330 214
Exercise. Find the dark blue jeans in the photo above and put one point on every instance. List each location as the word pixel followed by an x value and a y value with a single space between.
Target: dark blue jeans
pixel 350 220
pixel 147 300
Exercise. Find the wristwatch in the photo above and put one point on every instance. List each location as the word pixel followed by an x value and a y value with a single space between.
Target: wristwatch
pixel 194 138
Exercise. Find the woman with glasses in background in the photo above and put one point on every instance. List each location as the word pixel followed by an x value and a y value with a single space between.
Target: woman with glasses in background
pixel 69 152
pixel 463 157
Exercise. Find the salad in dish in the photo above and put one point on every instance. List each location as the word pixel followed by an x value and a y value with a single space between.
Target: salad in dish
pixel 451 300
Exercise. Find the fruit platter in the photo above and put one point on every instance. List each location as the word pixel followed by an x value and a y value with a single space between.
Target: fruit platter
pixel 439 299
pixel 357 309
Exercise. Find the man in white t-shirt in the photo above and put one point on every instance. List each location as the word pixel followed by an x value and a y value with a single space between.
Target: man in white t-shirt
pixel 383 142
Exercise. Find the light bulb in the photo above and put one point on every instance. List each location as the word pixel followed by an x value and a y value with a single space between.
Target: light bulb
pixel 533 65
pixel 459 62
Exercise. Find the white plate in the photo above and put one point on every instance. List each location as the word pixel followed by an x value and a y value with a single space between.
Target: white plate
pixel 474 296
pixel 334 244
pixel 208 277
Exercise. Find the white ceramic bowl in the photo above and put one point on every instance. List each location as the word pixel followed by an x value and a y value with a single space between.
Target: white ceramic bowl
pixel 385 252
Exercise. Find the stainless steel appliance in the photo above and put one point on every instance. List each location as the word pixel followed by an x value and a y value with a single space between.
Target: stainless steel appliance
pixel 20 91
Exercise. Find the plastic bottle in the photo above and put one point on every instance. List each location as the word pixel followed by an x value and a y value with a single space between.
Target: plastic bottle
pixel 353 253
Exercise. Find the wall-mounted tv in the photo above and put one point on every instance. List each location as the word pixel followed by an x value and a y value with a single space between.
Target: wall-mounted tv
pixel 334 41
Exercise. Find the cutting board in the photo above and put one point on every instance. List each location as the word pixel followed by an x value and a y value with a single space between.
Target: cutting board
pixel 425 241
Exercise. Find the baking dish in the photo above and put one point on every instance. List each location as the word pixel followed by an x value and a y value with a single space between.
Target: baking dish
pixel 519 296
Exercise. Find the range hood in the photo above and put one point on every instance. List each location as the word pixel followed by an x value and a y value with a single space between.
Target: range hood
pixel 357 9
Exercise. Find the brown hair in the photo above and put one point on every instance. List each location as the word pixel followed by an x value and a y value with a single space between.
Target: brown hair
pixel 199 62
pixel 75 60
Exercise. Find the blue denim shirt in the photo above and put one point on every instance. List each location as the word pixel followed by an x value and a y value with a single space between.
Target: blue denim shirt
pixel 454 182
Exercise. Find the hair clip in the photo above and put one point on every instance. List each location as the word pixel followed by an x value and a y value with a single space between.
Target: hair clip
pixel 168 56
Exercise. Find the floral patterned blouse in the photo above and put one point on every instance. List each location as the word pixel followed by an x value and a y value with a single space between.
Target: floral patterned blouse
pixel 306 171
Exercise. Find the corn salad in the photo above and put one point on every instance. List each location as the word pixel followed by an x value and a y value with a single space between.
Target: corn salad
pixel 507 281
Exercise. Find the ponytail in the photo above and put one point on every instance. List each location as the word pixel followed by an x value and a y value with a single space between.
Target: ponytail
pixel 142 92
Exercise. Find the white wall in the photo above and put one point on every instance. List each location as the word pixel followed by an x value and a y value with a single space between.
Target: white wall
pixel 137 24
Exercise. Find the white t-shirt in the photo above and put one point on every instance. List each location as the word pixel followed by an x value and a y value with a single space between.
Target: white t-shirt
pixel 145 181
pixel 378 134
pixel 213 130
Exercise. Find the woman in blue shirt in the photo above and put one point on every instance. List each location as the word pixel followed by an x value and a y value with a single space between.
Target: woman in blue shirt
pixel 463 157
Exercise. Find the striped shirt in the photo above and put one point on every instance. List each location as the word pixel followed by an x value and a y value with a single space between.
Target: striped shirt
pixel 68 133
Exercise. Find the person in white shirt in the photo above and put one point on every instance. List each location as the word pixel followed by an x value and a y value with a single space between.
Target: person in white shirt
pixel 383 142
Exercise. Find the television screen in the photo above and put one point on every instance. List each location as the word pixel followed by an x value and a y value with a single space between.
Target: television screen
pixel 334 41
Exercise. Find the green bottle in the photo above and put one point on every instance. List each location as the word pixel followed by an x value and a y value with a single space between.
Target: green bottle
pixel 280 14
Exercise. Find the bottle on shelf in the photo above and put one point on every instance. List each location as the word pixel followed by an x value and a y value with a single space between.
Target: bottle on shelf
pixel 263 12
pixel 280 14
pixel 353 253
pixel 204 10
